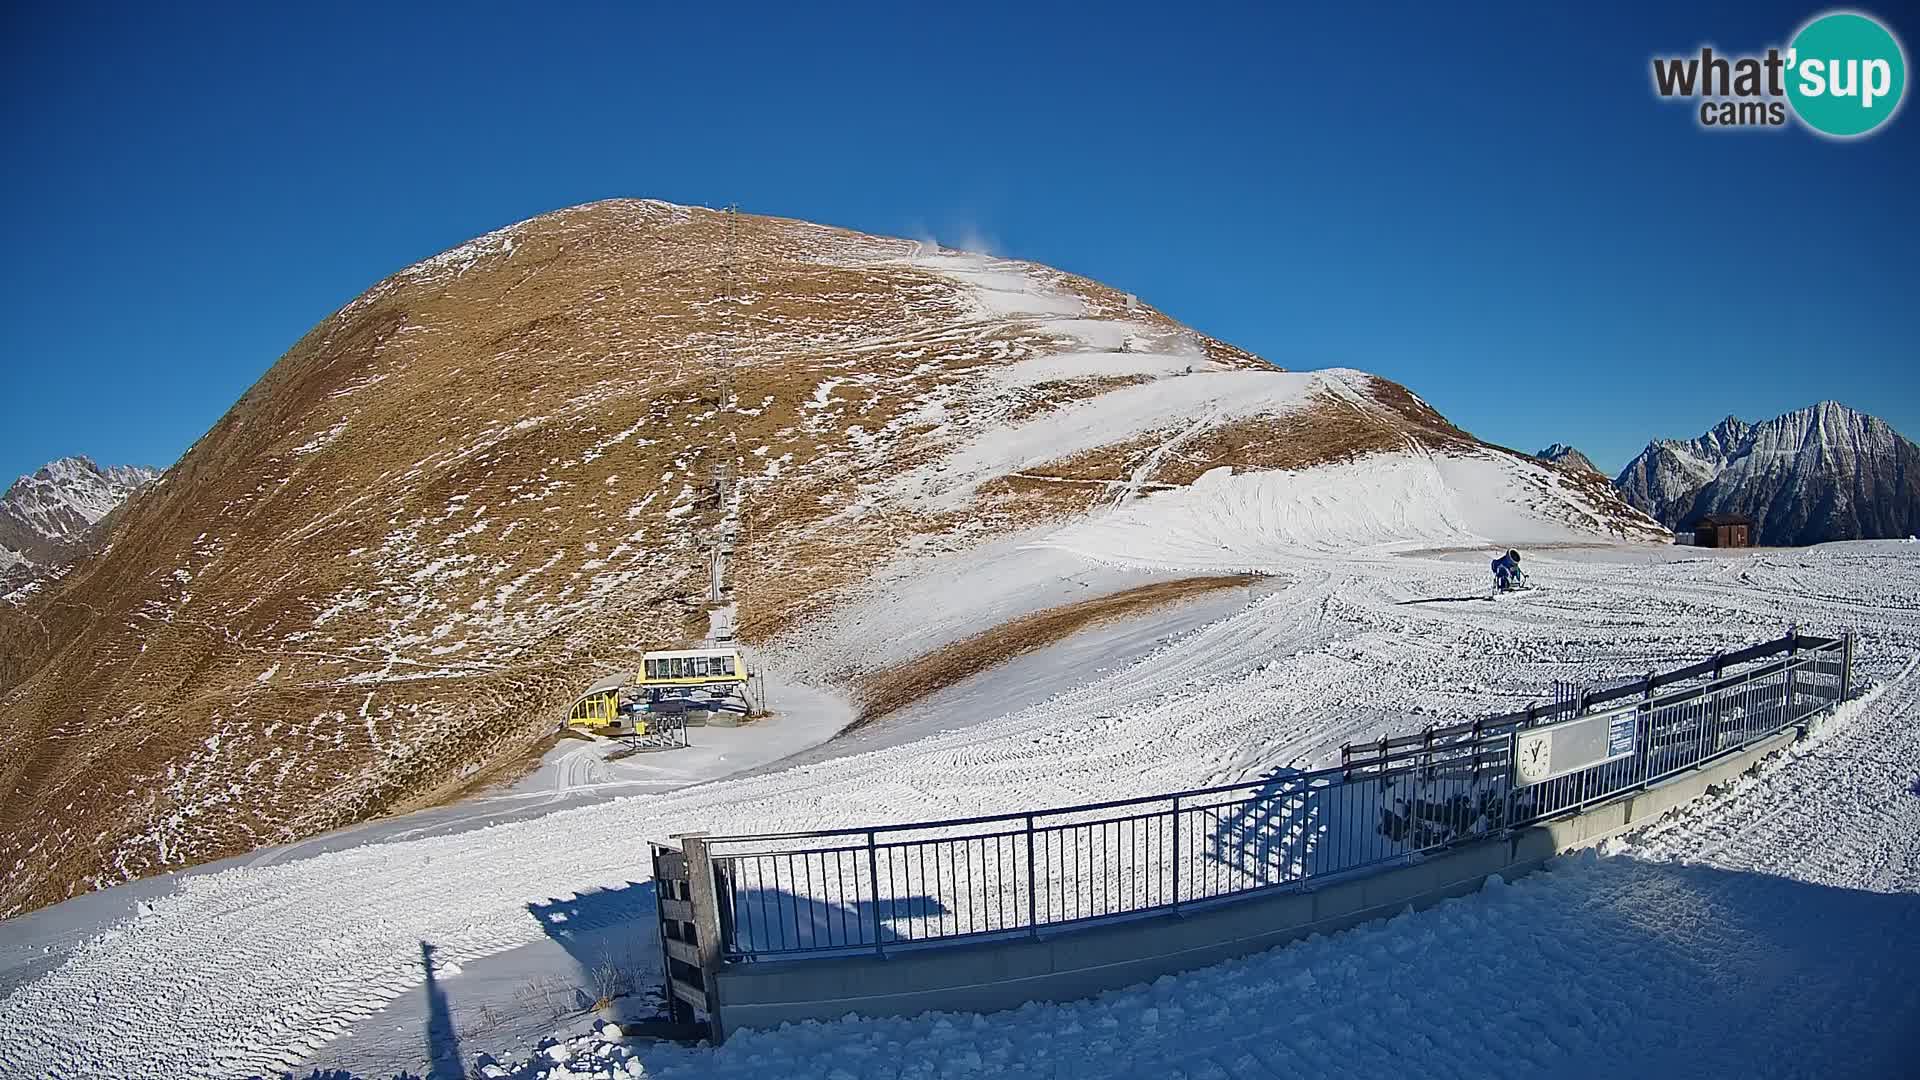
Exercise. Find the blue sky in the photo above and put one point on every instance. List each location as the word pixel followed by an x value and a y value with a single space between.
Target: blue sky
pixel 1487 204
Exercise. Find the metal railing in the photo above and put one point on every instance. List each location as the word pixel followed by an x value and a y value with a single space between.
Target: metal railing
pixel 902 886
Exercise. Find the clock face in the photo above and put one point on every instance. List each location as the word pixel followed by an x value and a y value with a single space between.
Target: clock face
pixel 1536 758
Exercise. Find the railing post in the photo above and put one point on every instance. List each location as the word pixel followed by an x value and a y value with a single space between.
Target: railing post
pixel 1033 911
pixel 1793 675
pixel 1710 729
pixel 1513 772
pixel 677 1010
pixel 1643 733
pixel 1846 665
pixel 873 876
pixel 702 893
pixel 1176 851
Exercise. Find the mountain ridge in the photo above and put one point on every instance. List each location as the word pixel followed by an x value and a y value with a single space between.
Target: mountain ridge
pixel 47 514
pixel 1562 454
pixel 496 476
pixel 1825 472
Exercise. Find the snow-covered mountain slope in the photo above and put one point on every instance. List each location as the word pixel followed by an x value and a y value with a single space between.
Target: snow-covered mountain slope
pixel 491 480
pixel 1668 472
pixel 1226 521
pixel 1562 454
pixel 45 514
pixel 1822 473
pixel 314 963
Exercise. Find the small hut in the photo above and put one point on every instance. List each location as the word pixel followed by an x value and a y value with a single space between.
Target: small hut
pixel 1723 530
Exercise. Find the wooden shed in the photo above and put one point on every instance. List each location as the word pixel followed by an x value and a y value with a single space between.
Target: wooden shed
pixel 1723 530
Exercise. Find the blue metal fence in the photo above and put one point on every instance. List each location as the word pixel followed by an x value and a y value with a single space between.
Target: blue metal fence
pixel 903 886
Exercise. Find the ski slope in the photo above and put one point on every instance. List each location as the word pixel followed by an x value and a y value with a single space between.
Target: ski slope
pixel 1769 933
pixel 1383 502
pixel 253 969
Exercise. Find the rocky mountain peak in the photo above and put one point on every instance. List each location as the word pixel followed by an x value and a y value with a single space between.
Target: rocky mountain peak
pixel 44 514
pixel 1564 455
pixel 1727 434
pixel 1825 472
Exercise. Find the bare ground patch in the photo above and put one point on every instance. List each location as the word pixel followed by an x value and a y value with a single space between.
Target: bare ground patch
pixel 1328 429
pixel 883 692
pixel 498 775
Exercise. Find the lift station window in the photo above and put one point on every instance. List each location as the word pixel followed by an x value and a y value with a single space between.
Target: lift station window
pixel 716 665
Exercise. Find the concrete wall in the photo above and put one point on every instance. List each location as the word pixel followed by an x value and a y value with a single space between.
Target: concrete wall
pixel 1067 964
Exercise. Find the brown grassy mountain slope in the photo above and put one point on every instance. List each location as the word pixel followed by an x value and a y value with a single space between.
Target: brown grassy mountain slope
pixel 490 479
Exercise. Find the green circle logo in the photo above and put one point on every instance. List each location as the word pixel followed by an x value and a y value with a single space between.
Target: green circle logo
pixel 1845 74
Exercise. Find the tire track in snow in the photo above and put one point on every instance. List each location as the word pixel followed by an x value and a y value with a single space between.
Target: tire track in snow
pixel 246 969
pixel 1840 810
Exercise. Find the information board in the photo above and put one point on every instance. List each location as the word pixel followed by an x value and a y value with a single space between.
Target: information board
pixel 1552 750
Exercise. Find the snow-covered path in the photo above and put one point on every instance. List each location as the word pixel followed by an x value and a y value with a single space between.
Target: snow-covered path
pixel 247 970
pixel 1600 967
pixel 1770 932
pixel 1844 812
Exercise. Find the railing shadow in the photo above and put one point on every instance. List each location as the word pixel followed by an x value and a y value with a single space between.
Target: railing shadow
pixel 769 921
pixel 1272 836
pixel 613 937
pixel 1291 828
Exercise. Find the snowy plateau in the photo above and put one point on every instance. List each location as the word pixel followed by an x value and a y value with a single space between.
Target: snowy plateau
pixel 988 443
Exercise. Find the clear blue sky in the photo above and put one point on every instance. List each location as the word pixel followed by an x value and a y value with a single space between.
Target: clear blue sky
pixel 1487 204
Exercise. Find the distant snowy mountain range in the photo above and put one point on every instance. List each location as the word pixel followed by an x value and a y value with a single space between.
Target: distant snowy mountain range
pixel 1821 473
pixel 1562 454
pixel 45 515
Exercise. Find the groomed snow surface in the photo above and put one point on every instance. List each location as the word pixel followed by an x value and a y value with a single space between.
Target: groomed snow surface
pixel 1383 502
pixel 1772 935
pixel 1772 931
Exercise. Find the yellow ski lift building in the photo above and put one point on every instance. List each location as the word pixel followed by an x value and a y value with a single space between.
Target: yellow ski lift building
pixel 670 681
pixel 692 667
pixel 598 710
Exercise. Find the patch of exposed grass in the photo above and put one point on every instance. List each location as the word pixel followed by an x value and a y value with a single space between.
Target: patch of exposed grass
pixel 885 691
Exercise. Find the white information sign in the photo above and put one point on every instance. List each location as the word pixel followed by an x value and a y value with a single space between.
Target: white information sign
pixel 1543 753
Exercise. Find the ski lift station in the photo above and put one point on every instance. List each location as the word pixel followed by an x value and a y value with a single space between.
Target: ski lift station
pixel 670 685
